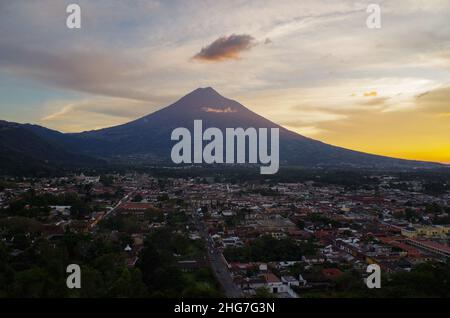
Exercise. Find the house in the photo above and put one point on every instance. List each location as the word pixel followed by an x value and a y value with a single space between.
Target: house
pixel 286 264
pixel 137 209
pixel 290 281
pixel 274 284
pixel 232 242
pixel 278 235
pixel 332 273
pixel 87 179
pixel 313 259
pixel 249 285
pixel 228 213
pixel 61 209
pixel 267 280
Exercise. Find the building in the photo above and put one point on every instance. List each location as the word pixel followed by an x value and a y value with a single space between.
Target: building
pixel 441 251
pixel 137 209
pixel 61 209
pixel 87 179
pixel 435 231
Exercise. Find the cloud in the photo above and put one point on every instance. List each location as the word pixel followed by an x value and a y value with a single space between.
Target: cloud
pixel 312 116
pixel 84 71
pixel 419 132
pixel 93 113
pixel 219 110
pixel 435 101
pixel 306 130
pixel 379 101
pixel 370 94
pixel 226 48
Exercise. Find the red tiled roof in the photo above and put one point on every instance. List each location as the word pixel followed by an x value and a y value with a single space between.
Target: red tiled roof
pixel 432 244
pixel 271 278
pixel 332 273
pixel 136 206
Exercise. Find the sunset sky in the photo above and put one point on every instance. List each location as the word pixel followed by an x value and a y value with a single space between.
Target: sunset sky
pixel 312 66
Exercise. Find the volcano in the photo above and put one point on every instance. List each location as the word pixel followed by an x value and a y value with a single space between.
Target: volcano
pixel 148 139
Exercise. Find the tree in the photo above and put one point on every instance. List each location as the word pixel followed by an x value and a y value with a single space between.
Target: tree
pixel 128 285
pixel 159 272
pixel 106 180
pixel 80 209
pixel 264 293
pixel 137 198
pixel 269 249
pixel 433 208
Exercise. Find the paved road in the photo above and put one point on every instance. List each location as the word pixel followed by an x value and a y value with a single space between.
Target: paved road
pixel 218 265
pixel 113 210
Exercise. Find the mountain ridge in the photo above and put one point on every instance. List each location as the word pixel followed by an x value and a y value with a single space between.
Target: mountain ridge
pixel 24 150
pixel 209 106
pixel 148 137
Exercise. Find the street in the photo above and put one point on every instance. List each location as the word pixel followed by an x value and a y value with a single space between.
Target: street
pixel 218 264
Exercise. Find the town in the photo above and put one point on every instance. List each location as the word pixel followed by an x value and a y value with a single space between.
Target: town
pixel 138 234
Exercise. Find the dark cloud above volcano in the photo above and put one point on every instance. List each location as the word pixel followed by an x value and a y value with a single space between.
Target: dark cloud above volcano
pixel 225 48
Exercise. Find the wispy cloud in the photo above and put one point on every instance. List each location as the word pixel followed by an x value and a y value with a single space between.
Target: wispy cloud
pixel 379 101
pixel 218 110
pixel 87 71
pixel 370 94
pixel 419 131
pixel 93 113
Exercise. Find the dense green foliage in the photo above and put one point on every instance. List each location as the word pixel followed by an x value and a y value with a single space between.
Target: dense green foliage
pixel 162 275
pixel 32 266
pixel 424 281
pixel 39 270
pixel 33 205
